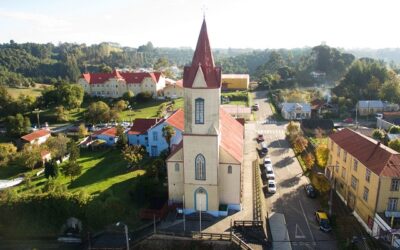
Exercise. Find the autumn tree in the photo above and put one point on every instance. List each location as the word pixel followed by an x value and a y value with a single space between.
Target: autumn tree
pixel 58 146
pixel 309 160
pixel 300 144
pixel 7 153
pixel 293 130
pixel 30 156
pixel 168 132
pixel 61 114
pixel 98 112
pixel 122 138
pixel 121 105
pixel 322 155
pixel 133 154
pixel 82 131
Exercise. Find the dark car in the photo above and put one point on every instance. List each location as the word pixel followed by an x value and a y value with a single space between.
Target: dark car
pixel 310 190
pixel 260 138
pixel 255 107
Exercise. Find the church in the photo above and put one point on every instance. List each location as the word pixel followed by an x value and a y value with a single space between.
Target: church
pixel 205 168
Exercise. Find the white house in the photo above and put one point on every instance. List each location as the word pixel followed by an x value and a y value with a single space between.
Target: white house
pixel 117 83
pixel 109 135
pixel 206 166
pixel 36 137
pixel 296 111
pixel 174 89
pixel 370 107
pixel 138 134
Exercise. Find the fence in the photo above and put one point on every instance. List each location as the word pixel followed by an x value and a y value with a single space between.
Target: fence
pixel 222 236
pixel 382 124
pixel 247 223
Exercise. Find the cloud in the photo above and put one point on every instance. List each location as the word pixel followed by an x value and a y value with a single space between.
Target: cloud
pixel 39 19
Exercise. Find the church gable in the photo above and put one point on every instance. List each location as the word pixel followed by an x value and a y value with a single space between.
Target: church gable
pixel 199 80
pixel 226 158
pixel 176 155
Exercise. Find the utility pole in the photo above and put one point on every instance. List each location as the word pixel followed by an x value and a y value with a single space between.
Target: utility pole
pixel 183 211
pixel 331 192
pixel 37 111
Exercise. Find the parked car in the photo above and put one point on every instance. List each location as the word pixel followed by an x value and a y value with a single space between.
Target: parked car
pixel 264 148
pixel 267 162
pixel 271 186
pixel 310 190
pixel 269 171
pixel 260 138
pixel 348 120
pixel 323 221
pixel 255 107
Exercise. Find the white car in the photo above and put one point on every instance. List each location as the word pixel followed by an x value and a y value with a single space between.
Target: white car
pixel 269 171
pixel 267 162
pixel 271 186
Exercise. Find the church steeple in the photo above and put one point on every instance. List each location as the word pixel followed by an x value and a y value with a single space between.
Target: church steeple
pixel 202 62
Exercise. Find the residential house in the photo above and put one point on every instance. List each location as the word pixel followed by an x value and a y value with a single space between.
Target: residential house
pixel 138 134
pixel 117 83
pixel 366 176
pixel 37 137
pixel 320 107
pixel 109 135
pixel 204 169
pixel 235 81
pixel 296 111
pixel 156 142
pixel 174 89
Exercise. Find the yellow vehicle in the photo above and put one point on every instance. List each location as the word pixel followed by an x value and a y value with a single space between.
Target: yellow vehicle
pixel 323 221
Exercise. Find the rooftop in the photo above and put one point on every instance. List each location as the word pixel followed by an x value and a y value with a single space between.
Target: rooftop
pixel 141 125
pixel 35 135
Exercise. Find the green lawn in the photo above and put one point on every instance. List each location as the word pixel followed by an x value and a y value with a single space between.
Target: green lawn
pixel 242 98
pixel 35 91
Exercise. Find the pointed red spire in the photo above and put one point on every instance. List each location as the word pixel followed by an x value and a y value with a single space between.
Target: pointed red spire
pixel 203 58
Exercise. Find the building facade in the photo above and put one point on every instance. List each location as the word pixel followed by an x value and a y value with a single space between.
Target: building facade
pixel 37 137
pixel 366 175
pixel 296 111
pixel 204 169
pixel 109 135
pixel 115 84
pixel 174 90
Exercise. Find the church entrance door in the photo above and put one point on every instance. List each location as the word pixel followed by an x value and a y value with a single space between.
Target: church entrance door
pixel 201 199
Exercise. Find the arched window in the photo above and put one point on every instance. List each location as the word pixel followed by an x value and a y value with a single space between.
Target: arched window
pixel 200 167
pixel 176 167
pixel 199 111
pixel 229 169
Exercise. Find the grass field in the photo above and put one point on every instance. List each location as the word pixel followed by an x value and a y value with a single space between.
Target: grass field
pixel 36 91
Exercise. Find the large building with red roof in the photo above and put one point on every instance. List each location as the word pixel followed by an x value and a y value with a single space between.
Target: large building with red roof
pixel 366 176
pixel 205 166
pixel 116 83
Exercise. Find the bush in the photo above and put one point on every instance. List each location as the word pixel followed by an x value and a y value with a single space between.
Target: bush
pixel 144 96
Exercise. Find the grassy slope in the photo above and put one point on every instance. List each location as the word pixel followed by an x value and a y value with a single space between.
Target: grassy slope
pixel 36 91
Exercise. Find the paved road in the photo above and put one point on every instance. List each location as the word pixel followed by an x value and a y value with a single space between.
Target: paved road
pixel 290 198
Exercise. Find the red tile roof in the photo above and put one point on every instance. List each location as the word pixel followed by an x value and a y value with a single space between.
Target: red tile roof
pixel 141 125
pixel 44 153
pixel 129 77
pixel 177 119
pixel 179 83
pixel 35 135
pixel 378 158
pixel 231 135
pixel 203 58
pixel 107 131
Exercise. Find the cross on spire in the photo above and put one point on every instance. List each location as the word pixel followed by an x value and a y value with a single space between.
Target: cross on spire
pixel 204 8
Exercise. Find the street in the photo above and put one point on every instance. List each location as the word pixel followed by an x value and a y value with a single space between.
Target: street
pixel 290 200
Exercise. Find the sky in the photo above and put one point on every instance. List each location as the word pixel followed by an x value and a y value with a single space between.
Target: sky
pixel 257 24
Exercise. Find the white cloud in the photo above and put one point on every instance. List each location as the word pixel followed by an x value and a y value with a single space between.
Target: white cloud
pixel 39 19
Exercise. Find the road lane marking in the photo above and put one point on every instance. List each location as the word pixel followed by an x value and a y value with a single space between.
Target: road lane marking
pixel 308 225
pixel 299 233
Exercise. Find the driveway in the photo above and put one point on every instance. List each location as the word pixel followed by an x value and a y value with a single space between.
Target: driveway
pixel 290 199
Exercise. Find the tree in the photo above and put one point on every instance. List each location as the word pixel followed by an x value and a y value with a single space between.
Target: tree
pixel 72 169
pixel 70 95
pixel 378 134
pixel 133 154
pixel 322 155
pixel 82 131
pixel 7 153
pixel 161 63
pixel 5 100
pixel 390 90
pixel 395 144
pixel 74 151
pixel 293 130
pixel 17 125
pixel 61 114
pixel 58 146
pixel 394 130
pixel 122 138
pixel 121 105
pixel 98 112
pixel 309 160
pixel 300 144
pixel 51 169
pixel 168 132
pixel 128 96
pixel 30 156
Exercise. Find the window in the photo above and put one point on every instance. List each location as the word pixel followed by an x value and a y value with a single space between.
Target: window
pixel 395 185
pixel 154 151
pixel 176 167
pixel 200 167
pixel 392 205
pixel 354 182
pixel 365 194
pixel 344 156
pixel 337 167
pixel 355 165
pixel 229 169
pixel 367 175
pixel 155 136
pixel 343 173
pixel 199 111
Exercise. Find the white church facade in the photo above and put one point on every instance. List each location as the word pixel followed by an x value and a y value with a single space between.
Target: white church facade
pixel 205 168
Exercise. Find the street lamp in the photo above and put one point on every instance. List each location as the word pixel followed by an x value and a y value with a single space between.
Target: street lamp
pixel 126 232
